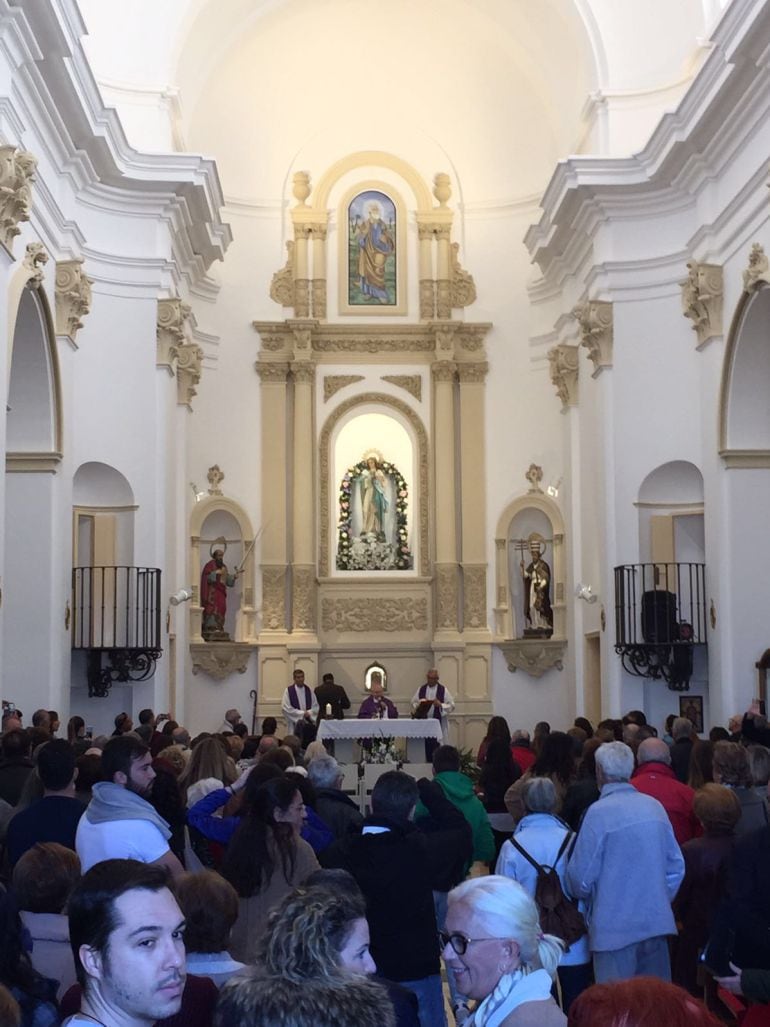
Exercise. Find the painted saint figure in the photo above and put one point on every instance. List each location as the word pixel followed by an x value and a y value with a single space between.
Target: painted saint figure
pixel 215 581
pixel 374 504
pixel 375 244
pixel 537 593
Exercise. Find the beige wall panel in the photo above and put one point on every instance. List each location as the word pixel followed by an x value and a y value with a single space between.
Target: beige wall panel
pixel 274 676
pixel 476 676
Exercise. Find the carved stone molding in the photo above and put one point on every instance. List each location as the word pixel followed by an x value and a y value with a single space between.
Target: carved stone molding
pixel 334 382
pixel 534 476
pixel 702 300
pixel 302 297
pixel 435 336
pixel 274 597
pixel 275 371
pixel 412 383
pixel 72 295
pixel 443 370
pixel 758 269
pixel 303 598
pixel 34 261
pixel 423 491
pixel 472 373
pixel 374 613
pixel 189 358
pixel 427 297
pixel 462 285
pixel 533 655
pixel 596 331
pixel 303 371
pixel 446 596
pixel 282 284
pixel 318 296
pixel 173 316
pixel 220 659
pixel 443 298
pixel 17 170
pixel 474 596
pixel 564 372
pixel 215 478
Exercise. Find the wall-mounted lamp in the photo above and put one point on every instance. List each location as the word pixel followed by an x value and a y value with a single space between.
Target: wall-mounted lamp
pixel 182 595
pixel 586 592
pixel 553 490
pixel 198 495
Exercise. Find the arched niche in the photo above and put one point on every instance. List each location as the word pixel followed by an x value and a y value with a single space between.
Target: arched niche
pixel 103 516
pixel 220 517
pixel 744 412
pixel 671 514
pixel 522 517
pixel 330 472
pixel 370 159
pixel 34 415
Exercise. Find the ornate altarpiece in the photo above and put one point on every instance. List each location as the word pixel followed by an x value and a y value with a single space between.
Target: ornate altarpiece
pixel 315 618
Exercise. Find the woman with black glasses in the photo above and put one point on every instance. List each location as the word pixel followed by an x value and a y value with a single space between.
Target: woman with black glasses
pixel 499 955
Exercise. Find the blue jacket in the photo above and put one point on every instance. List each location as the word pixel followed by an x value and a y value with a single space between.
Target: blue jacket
pixel 628 867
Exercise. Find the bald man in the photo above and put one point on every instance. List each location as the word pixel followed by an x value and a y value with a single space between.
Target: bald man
pixel 654 776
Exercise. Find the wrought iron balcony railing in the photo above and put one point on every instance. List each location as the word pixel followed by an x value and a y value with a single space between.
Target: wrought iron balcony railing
pixel 660 616
pixel 117 621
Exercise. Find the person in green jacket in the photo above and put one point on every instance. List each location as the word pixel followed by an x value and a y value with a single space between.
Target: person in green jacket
pixel 458 788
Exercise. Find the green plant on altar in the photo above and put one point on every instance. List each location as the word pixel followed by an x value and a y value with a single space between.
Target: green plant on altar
pixel 469 766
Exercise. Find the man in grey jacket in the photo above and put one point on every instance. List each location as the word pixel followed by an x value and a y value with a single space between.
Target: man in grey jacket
pixel 627 866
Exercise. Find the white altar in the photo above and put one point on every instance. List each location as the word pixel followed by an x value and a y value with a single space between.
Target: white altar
pixel 347 731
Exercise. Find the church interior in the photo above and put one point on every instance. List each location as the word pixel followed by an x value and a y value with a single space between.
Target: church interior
pixel 345 335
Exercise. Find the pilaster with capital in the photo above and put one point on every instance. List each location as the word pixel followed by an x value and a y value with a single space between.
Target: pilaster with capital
pixel 318 286
pixel 17 171
pixel 564 373
pixel 443 374
pixel 274 465
pixel 443 272
pixel 303 487
pixel 702 300
pixel 472 377
pixel 72 296
pixel 596 332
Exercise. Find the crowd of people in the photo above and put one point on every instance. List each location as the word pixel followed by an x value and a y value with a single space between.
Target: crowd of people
pixel 603 876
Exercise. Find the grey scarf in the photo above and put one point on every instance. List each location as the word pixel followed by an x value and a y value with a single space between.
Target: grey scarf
pixel 114 802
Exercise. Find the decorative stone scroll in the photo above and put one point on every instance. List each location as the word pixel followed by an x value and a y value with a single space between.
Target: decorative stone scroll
pixel 73 296
pixel 702 300
pixel 334 382
pixel 374 614
pixel 411 383
pixel 34 261
pixel 596 330
pixel 220 659
pixel 533 656
pixel 173 315
pixel 17 170
pixel 215 478
pixel 462 288
pixel 282 284
pixel 758 269
pixel 189 359
pixel 564 373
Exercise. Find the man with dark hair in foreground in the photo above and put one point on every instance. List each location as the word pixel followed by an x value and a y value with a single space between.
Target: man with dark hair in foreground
pixel 126 931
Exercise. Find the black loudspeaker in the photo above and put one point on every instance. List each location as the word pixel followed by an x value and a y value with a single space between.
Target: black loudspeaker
pixel 659 626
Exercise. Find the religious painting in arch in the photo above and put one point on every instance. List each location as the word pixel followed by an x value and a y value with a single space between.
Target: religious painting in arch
pixel 373 523
pixel 373 253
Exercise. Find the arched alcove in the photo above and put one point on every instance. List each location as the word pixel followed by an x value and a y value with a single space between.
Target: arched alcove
pixel 744 414
pixel 671 515
pixel 103 516
pixel 528 515
pixel 400 415
pixel 213 518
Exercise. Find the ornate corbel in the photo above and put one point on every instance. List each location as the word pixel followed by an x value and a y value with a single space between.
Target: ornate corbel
pixel 758 269
pixel 534 656
pixel 462 288
pixel 34 261
pixel 702 298
pixel 17 171
pixel 189 360
pixel 282 285
pixel 596 331
pixel 564 372
pixel 73 296
pixel 172 319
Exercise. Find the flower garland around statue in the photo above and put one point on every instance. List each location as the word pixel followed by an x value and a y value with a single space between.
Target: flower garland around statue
pixel 402 555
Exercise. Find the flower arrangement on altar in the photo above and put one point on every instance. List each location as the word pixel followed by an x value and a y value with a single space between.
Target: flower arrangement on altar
pixel 382 750
pixel 349 554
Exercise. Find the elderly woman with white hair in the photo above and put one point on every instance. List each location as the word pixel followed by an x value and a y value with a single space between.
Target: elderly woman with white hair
pixel 500 957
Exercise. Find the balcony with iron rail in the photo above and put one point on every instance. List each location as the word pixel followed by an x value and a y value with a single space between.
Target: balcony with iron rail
pixel 117 623
pixel 660 617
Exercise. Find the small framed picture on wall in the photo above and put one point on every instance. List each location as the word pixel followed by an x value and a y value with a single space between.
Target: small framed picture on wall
pixel 691 707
